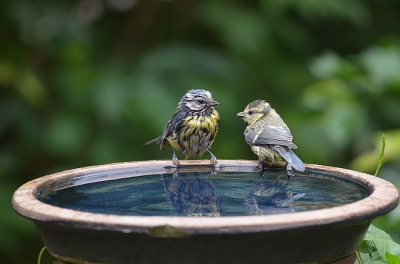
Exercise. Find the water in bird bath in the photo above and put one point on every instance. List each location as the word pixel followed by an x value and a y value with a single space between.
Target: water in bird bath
pixel 202 193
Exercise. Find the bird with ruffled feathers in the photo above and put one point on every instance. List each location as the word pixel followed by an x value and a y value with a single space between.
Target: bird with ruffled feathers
pixel 193 126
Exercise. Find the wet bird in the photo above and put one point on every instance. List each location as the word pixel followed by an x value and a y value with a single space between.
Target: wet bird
pixel 269 137
pixel 193 126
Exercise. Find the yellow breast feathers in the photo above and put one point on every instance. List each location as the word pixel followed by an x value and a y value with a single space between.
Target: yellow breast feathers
pixel 201 123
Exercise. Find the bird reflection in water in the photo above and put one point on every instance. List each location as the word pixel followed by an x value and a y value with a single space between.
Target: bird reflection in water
pixel 271 197
pixel 193 195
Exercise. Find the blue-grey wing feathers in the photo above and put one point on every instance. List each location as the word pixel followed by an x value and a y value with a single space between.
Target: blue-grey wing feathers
pixel 270 135
pixel 280 138
pixel 290 157
pixel 173 125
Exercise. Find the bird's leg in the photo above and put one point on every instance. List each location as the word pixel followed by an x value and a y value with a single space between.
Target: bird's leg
pixel 261 164
pixel 289 173
pixel 175 159
pixel 213 159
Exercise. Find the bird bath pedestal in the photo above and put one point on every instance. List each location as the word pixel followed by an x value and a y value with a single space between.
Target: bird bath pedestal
pixel 200 226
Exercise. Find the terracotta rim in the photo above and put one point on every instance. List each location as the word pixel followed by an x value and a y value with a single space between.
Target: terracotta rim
pixel 383 198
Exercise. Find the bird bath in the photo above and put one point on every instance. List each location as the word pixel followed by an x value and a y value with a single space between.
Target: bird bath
pixel 152 212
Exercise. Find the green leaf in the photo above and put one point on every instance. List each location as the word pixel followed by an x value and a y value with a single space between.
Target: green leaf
pixel 375 262
pixel 392 259
pixel 326 65
pixel 382 64
pixel 367 247
pixel 383 242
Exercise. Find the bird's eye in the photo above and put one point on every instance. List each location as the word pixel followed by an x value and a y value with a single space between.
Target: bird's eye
pixel 250 112
pixel 200 101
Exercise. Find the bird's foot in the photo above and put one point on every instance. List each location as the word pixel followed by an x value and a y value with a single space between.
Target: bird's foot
pixel 261 167
pixel 261 164
pixel 289 173
pixel 213 159
pixel 175 160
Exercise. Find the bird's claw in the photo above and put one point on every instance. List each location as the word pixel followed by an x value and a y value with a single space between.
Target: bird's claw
pixel 213 159
pixel 289 173
pixel 261 164
pixel 175 160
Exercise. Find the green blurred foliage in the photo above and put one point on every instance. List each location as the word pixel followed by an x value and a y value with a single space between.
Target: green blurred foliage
pixel 88 82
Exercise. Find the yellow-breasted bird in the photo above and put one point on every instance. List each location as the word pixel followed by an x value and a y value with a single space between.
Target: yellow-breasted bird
pixel 269 137
pixel 193 127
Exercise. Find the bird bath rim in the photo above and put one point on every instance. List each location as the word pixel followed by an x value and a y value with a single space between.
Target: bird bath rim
pixel 382 199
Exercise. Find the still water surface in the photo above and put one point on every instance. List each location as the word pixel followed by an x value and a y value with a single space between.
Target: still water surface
pixel 206 194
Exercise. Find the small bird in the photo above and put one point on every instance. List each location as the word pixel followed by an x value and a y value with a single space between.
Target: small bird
pixel 269 137
pixel 193 127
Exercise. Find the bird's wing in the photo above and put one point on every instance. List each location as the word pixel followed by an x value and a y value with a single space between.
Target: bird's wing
pixel 291 157
pixel 269 135
pixel 174 123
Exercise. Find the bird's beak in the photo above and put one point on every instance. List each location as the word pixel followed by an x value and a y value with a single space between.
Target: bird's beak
pixel 212 103
pixel 241 114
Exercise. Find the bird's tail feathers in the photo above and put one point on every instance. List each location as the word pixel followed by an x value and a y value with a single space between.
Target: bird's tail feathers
pixel 291 157
pixel 155 141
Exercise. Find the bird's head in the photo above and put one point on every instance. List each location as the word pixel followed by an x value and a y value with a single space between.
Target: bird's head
pixel 198 100
pixel 254 111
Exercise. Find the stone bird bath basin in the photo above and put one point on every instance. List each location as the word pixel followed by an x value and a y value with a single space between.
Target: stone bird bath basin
pixel 195 216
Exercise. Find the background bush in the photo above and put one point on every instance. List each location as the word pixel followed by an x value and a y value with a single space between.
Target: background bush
pixel 88 82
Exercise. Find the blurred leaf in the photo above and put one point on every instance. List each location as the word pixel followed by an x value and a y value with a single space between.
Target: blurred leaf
pixel 7 73
pixel 312 9
pixel 171 61
pixel 375 261
pixel 326 93
pixel 341 114
pixel 31 88
pixel 392 259
pixel 66 136
pixel 25 82
pixel 326 65
pixel 367 161
pixel 110 97
pixel 75 53
pixel 382 65
pixel 241 29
